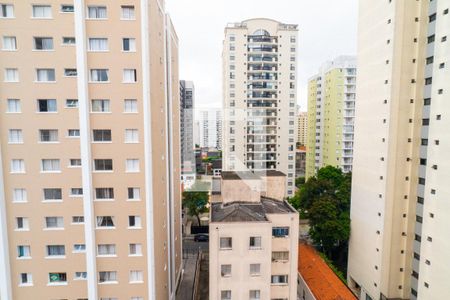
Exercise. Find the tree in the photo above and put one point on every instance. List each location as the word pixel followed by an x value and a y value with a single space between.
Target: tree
pixel 325 200
pixel 195 201
pixel 299 181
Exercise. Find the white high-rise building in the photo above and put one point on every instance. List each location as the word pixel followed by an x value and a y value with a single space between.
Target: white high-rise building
pixel 210 128
pixel 259 97
pixel 400 213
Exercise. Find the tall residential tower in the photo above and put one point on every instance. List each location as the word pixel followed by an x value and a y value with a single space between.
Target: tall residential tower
pixel 331 112
pixel 89 148
pixel 400 214
pixel 187 98
pixel 259 97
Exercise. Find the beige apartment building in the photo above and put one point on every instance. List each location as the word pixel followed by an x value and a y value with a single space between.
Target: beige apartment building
pixel 90 154
pixel 400 217
pixel 253 238
pixel 259 97
pixel 302 128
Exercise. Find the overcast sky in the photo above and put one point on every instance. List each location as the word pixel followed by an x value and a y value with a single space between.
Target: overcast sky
pixel 327 28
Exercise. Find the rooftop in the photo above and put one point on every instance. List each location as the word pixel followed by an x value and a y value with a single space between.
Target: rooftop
pixel 246 175
pixel 248 211
pixel 321 280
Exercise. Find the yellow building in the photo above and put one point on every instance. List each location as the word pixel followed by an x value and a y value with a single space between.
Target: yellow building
pixel 331 111
pixel 89 148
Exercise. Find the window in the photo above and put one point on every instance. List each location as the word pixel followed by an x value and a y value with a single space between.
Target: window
pixel 80 276
pixel 13 106
pixel 136 276
pixel 225 270
pixel 97 12
pixel 132 165
pixel 43 43
pixel 425 122
pixel 22 223
pixel 226 243
pixel 57 278
pixel 134 193
pixel 279 279
pixel 430 60
pixel 52 194
pixel 6 11
pixel 255 269
pixel 106 249
pixel 56 250
pixel 19 195
pixel 42 11
pixel 48 135
pixel 78 248
pixel 45 75
pixel 127 12
pixel 431 39
pixel 78 220
pixel 50 165
pixel 47 105
pixel 70 72
pixel 432 18
pixel 23 251
pixel 280 256
pixel 17 166
pixel 107 276
pixel 54 222
pixel 73 132
pixel 76 192
pixel 9 43
pixel 67 8
pixel 225 295
pixel 280 231
pixel 68 40
pixel 129 45
pixel 255 242
pixel 255 294
pixel 105 221
pixel 75 162
pixel 98 44
pixel 131 136
pixel 15 136
pixel 103 165
pixel 99 75
pixel 100 105
pixel 134 222
pixel 26 279
pixel 11 75
pixel 135 249
pixel 130 106
pixel 104 193
pixel 428 81
pixel 102 135
pixel 129 75
pixel 71 103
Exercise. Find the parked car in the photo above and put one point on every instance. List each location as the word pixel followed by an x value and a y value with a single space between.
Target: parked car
pixel 201 237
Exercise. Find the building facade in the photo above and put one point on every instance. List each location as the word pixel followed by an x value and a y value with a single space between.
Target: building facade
pixel 187 102
pixel 302 128
pixel 90 154
pixel 210 128
pixel 259 97
pixel 253 239
pixel 219 121
pixel 331 113
pixel 400 213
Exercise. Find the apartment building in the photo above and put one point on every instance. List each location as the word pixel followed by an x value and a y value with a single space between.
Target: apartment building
pixel 331 113
pixel 302 128
pixel 259 97
pixel 90 154
pixel 219 129
pixel 253 238
pixel 187 102
pixel 210 128
pixel 399 244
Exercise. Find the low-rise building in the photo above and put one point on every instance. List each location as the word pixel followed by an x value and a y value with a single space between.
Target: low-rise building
pixel 253 239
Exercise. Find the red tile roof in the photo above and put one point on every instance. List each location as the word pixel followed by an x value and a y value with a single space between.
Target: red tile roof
pixel 321 280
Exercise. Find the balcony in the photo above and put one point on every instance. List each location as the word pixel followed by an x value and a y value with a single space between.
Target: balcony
pixel 266 58
pixel 261 85
pixel 262 165
pixel 261 139
pixel 261 103
pixel 262 48
pixel 261 148
pixel 261 157
pixel 262 39
pixel 263 94
pixel 262 67
pixel 263 76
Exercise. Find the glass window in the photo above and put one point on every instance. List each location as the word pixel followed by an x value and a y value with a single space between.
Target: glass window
pixel 54 222
pixel 135 249
pixel 23 251
pixel 225 270
pixel 52 194
pixel 67 8
pixel 71 103
pixel 98 44
pixel 131 136
pixel 43 43
pixel 255 269
pixel 129 75
pixel 255 294
pixel 26 279
pixel 6 11
pixel 106 249
pixel 13 106
pixel 47 105
pixel 132 165
pixel 99 75
pixel 255 242
pixel 9 43
pixel 80 276
pixel 50 165
pixel 19 195
pixel 280 256
pixel 97 12
pixel 57 277
pixel 15 136
pixel 100 105
pixel 130 105
pixel 104 193
pixel 76 192
pixel 105 221
pixel 279 279
pixel 280 231
pixel 107 276
pixel 102 135
pixel 48 135
pixel 42 11
pixel 129 44
pixel 56 250
pixel 70 72
pixel 134 221
pixel 11 75
pixel 226 243
pixel 68 40
pixel 45 75
pixel 134 193
pixel 79 248
pixel 73 132
pixel 136 276
pixel 17 166
pixel 127 12
pixel 225 295
pixel 103 164
pixel 22 223
pixel 77 220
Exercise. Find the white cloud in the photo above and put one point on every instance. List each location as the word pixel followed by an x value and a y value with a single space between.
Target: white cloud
pixel 327 28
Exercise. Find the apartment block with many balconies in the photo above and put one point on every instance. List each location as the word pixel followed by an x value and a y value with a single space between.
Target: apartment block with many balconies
pixel 89 148
pixel 259 97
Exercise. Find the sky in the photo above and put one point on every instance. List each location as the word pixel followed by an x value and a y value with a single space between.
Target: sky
pixel 327 28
